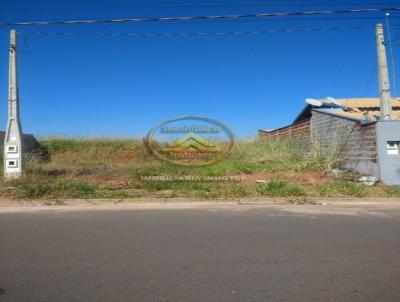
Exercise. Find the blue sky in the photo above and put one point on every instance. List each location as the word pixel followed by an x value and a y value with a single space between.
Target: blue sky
pixel 122 86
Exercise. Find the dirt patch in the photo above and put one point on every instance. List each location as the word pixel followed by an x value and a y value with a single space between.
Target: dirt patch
pixel 300 178
pixel 124 156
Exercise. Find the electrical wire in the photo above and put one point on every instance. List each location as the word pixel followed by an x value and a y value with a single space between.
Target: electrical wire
pixel 171 34
pixel 391 53
pixel 371 77
pixel 202 18
pixel 199 6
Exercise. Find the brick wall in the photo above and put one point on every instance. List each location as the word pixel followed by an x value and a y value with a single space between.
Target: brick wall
pixel 298 131
pixel 355 142
pixel 333 136
pixel 330 131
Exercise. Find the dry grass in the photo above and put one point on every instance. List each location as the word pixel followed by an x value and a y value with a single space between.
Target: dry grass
pixel 112 168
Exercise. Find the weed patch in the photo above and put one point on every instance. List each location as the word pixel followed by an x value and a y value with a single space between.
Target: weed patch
pixel 115 168
pixel 344 188
pixel 278 187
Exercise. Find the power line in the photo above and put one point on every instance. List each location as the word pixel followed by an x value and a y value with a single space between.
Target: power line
pixel 391 53
pixel 371 77
pixel 202 18
pixel 199 6
pixel 146 34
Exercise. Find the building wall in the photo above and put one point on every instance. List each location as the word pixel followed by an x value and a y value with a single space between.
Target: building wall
pixel 355 142
pixel 298 131
pixel 388 131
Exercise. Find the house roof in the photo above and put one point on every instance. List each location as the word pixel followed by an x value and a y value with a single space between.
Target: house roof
pixel 354 108
pixel 365 102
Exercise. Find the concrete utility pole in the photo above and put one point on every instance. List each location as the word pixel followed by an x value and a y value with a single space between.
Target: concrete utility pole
pixel 13 149
pixel 384 86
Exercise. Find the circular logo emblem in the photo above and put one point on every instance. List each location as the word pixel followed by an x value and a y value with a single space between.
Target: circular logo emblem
pixel 191 141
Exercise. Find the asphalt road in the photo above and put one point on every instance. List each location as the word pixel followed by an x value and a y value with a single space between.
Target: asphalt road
pixel 211 253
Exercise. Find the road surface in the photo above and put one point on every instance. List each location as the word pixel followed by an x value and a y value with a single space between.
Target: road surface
pixel 201 253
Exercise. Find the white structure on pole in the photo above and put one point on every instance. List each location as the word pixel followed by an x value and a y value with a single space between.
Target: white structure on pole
pixel 384 86
pixel 13 148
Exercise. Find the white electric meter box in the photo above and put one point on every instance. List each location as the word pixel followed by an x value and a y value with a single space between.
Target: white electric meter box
pixel 13 149
pixel 12 156
pixel 393 147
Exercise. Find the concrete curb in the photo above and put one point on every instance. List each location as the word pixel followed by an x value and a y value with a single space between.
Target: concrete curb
pixel 189 201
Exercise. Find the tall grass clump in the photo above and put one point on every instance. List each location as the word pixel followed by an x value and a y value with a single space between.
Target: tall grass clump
pixel 89 151
pixel 43 187
pixel 249 156
pixel 278 187
pixel 60 144
pixel 393 192
pixel 259 155
pixel 344 188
